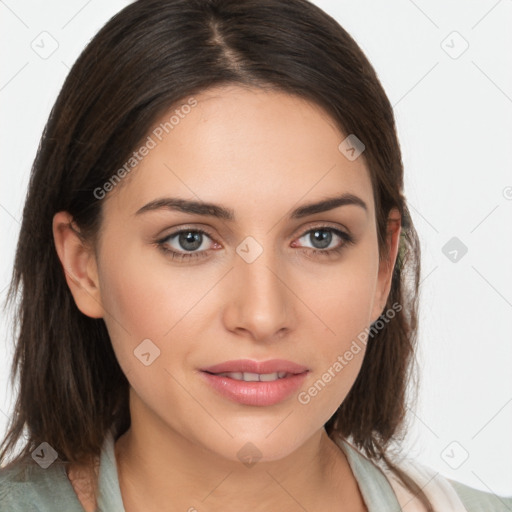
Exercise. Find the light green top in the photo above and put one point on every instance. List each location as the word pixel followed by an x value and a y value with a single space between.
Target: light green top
pixel 30 488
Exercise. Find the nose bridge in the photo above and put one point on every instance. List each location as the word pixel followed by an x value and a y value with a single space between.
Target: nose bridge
pixel 259 300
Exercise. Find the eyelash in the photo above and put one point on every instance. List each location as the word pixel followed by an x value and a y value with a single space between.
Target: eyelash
pixel 175 255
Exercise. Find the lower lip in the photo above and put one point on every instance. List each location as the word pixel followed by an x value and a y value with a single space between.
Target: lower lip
pixel 256 393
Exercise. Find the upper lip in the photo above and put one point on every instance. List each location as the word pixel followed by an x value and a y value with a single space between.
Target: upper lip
pixel 261 367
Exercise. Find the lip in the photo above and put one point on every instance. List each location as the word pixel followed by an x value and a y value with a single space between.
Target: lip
pixel 256 393
pixel 248 365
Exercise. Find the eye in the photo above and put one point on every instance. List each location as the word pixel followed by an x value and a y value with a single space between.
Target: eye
pixel 185 244
pixel 322 237
pixel 188 243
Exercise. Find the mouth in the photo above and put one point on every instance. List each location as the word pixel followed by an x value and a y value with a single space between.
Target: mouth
pixel 250 367
pixel 254 377
pixel 255 383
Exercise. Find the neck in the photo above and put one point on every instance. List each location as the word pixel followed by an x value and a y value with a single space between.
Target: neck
pixel 159 469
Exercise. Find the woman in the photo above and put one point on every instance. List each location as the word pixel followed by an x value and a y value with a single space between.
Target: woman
pixel 220 275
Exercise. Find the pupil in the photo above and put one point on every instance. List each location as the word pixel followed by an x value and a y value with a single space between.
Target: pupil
pixel 324 239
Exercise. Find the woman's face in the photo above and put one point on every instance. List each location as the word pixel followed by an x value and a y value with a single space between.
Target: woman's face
pixel 259 285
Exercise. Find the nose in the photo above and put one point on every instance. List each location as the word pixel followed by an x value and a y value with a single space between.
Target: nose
pixel 258 301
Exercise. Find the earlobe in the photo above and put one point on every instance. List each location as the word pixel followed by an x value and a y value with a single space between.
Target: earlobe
pixel 78 264
pixel 386 266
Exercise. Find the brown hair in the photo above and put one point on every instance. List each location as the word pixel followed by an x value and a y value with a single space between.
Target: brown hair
pixel 148 57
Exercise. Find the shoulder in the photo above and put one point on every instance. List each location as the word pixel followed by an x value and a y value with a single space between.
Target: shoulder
pixel 450 494
pixel 27 487
pixel 480 501
pixel 18 483
pixel 443 493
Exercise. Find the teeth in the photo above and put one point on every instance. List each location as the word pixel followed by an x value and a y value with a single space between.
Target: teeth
pixel 254 377
pixel 266 377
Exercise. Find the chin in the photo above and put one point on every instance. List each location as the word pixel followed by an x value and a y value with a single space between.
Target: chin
pixel 259 446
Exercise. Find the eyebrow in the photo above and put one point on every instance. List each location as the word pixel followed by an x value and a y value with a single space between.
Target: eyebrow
pixel 221 212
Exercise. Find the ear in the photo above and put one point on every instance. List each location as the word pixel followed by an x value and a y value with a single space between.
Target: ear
pixel 79 265
pixel 387 265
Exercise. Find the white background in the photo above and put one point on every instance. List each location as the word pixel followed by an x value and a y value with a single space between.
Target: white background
pixel 454 117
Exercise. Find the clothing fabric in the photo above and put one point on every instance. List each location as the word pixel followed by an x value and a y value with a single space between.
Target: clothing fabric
pixel 27 487
pixel 444 494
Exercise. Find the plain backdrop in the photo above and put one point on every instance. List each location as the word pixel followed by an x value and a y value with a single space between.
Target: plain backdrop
pixel 446 67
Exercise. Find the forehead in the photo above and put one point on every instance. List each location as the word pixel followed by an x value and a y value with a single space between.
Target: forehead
pixel 244 146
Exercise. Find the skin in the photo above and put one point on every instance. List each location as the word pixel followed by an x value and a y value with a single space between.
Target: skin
pixel 262 154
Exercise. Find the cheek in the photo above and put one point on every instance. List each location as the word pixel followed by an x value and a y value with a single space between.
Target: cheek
pixel 145 298
pixel 343 296
pixel 135 301
pixel 142 307
pixel 131 302
pixel 339 352
pixel 143 293
pixel 343 300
